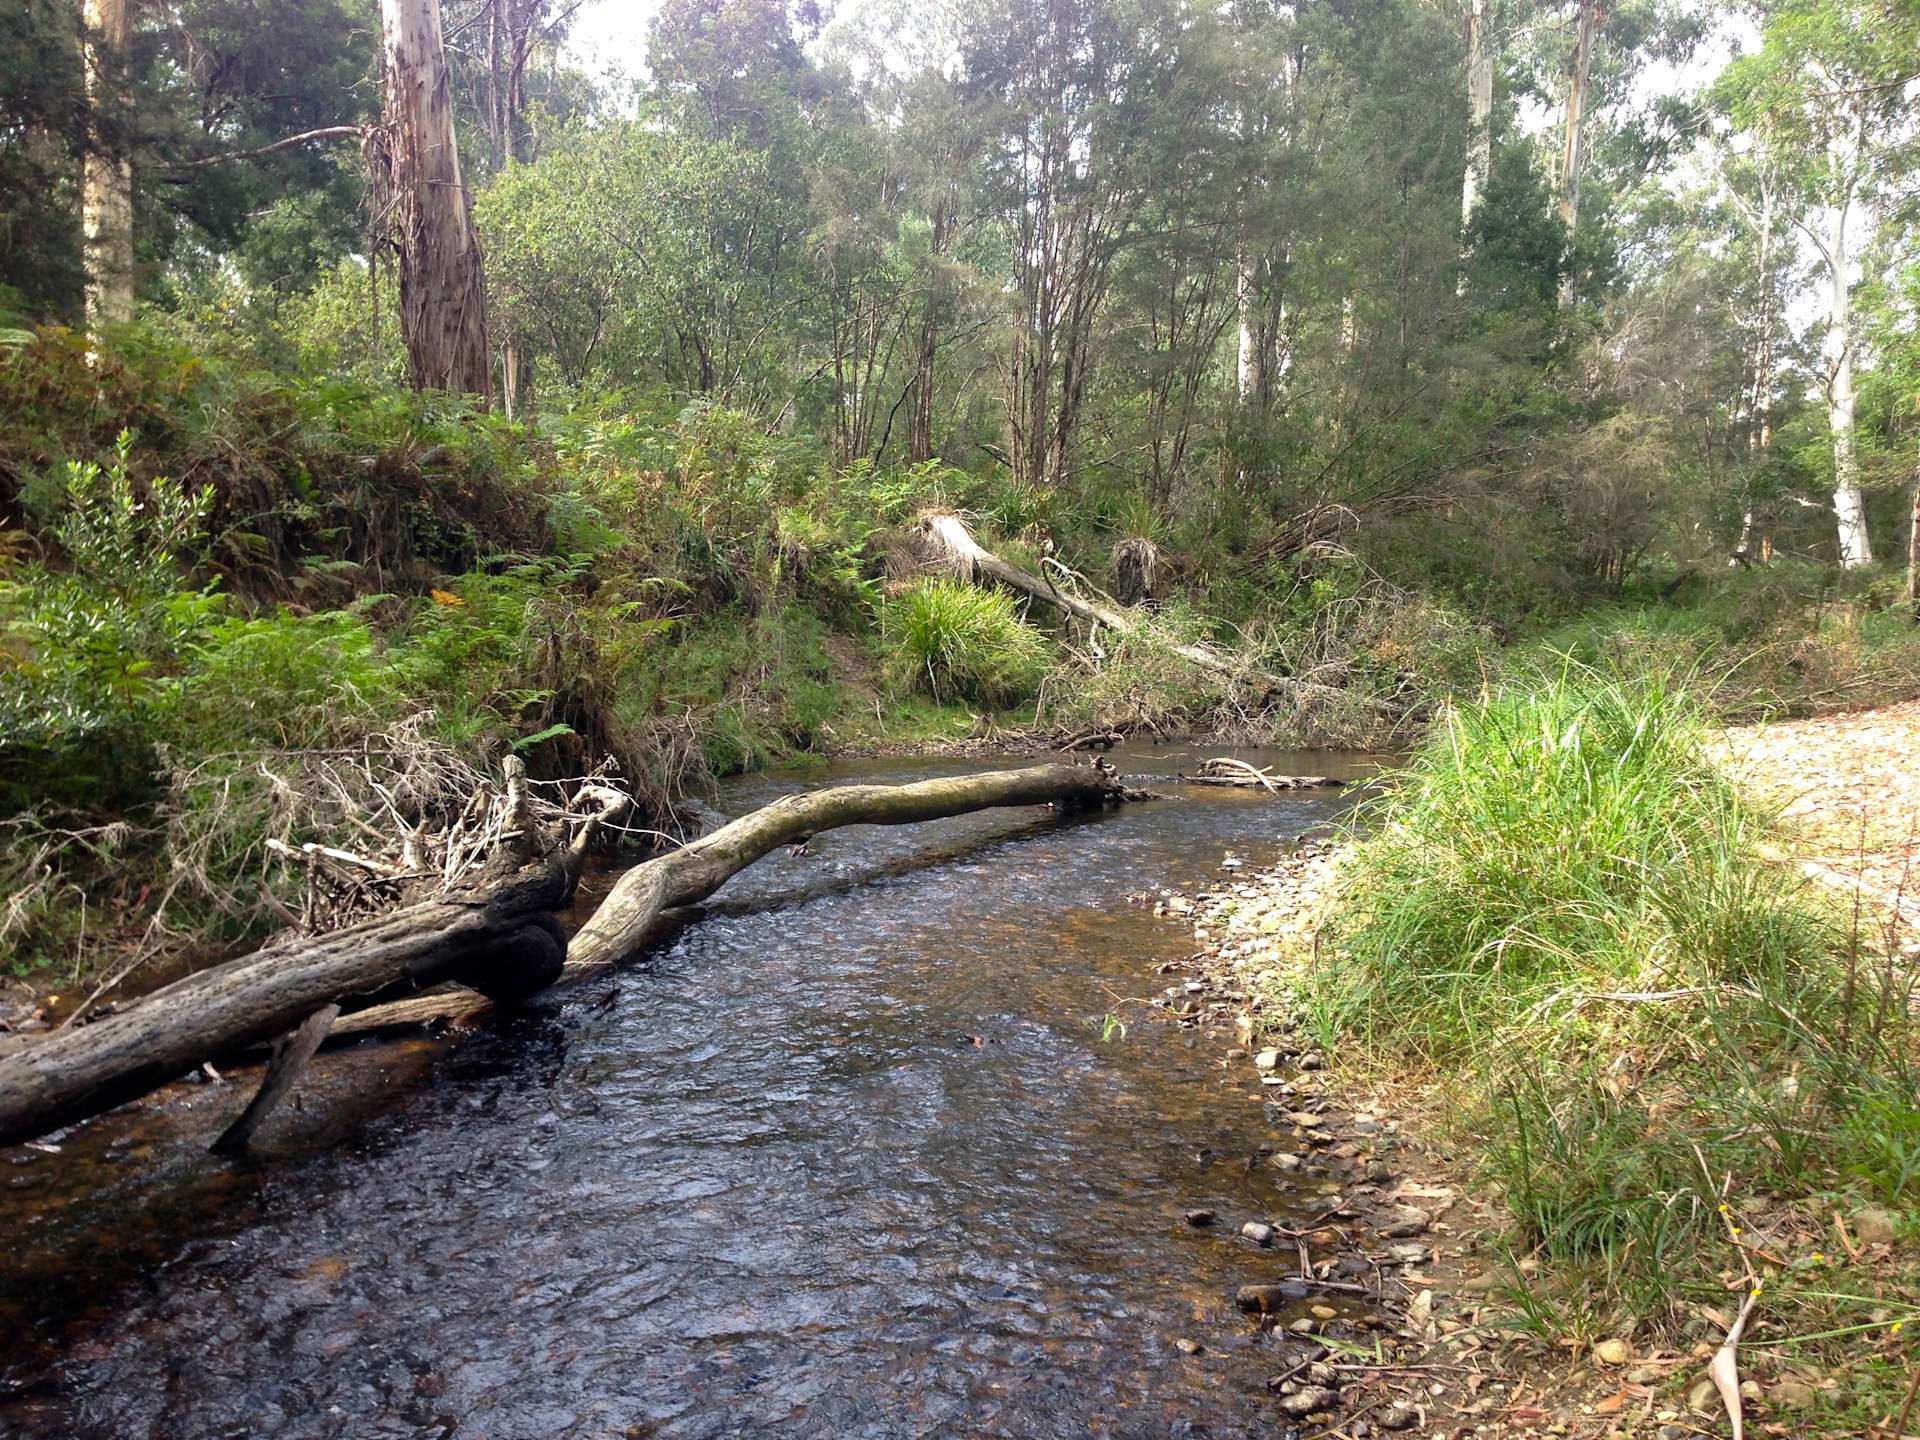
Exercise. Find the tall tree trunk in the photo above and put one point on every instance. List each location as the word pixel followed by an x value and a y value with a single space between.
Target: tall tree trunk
pixel 1913 541
pixel 1246 294
pixel 1574 145
pixel 1849 508
pixel 443 310
pixel 1479 109
pixel 106 202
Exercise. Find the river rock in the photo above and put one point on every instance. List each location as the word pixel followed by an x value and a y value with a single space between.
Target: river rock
pixel 1406 1221
pixel 1199 1218
pixel 1613 1352
pixel 1258 1231
pixel 1266 1298
pixel 1703 1396
pixel 1309 1398
pixel 1284 1160
pixel 1189 1347
pixel 1409 1254
pixel 1313 1060
pixel 1397 1416
pixel 1268 1060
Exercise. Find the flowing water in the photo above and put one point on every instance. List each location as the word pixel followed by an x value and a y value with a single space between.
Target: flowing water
pixel 848 1156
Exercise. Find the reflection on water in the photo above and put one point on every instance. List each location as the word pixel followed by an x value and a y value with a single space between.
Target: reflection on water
pixel 852 1163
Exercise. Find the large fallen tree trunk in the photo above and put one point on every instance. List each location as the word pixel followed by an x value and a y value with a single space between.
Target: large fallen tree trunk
pixel 497 935
pixel 949 543
pixel 621 924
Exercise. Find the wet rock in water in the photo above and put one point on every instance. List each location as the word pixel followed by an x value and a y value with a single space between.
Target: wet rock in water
pixel 1305 1325
pixel 1258 1231
pixel 1308 1399
pixel 1405 1221
pixel 1267 1298
pixel 1398 1416
pixel 1284 1160
pixel 1200 1218
pixel 1189 1347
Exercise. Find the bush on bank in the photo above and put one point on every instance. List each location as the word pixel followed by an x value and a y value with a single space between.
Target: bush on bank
pixel 1660 1035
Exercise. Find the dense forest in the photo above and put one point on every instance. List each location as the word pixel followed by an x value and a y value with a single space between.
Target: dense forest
pixel 398 396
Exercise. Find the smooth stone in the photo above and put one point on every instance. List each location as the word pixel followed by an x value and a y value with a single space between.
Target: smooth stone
pixel 1876 1225
pixel 1309 1398
pixel 1258 1231
pixel 1268 1060
pixel 1405 1221
pixel 1198 1218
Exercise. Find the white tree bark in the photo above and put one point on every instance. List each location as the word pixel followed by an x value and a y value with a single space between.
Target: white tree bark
pixel 1849 508
pixel 1246 291
pixel 1573 154
pixel 106 183
pixel 1479 109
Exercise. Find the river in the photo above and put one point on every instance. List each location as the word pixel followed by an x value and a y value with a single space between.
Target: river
pixel 850 1155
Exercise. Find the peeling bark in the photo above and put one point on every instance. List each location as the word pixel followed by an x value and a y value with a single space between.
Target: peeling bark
pixel 419 187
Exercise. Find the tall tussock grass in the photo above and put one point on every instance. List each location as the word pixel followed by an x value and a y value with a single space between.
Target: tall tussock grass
pixel 1554 846
pixel 1568 914
pixel 964 642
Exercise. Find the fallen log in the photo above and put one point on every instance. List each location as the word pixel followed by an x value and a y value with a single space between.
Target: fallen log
pixel 1239 774
pixel 948 542
pixel 620 926
pixel 495 932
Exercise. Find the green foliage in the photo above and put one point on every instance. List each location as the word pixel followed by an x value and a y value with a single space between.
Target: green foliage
pixel 961 641
pixel 1566 904
pixel 1550 843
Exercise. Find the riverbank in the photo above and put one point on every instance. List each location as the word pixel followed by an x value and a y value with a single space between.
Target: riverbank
pixel 1530 1315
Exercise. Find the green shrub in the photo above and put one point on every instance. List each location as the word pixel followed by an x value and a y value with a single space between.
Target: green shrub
pixel 960 641
pixel 1566 905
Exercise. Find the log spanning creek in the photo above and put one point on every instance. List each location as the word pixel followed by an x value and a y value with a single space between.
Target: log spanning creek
pixel 848 1155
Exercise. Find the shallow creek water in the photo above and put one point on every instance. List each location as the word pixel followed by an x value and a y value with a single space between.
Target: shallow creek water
pixel 848 1156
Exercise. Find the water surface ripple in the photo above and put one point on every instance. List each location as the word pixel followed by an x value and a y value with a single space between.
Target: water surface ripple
pixel 845 1158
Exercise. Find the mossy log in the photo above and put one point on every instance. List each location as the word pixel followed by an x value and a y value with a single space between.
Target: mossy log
pixel 497 935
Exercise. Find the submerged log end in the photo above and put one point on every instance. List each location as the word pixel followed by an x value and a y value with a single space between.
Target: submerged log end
pixel 516 966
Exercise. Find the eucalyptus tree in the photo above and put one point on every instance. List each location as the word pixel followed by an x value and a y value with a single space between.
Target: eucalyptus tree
pixel 1079 97
pixel 1825 100
pixel 106 186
